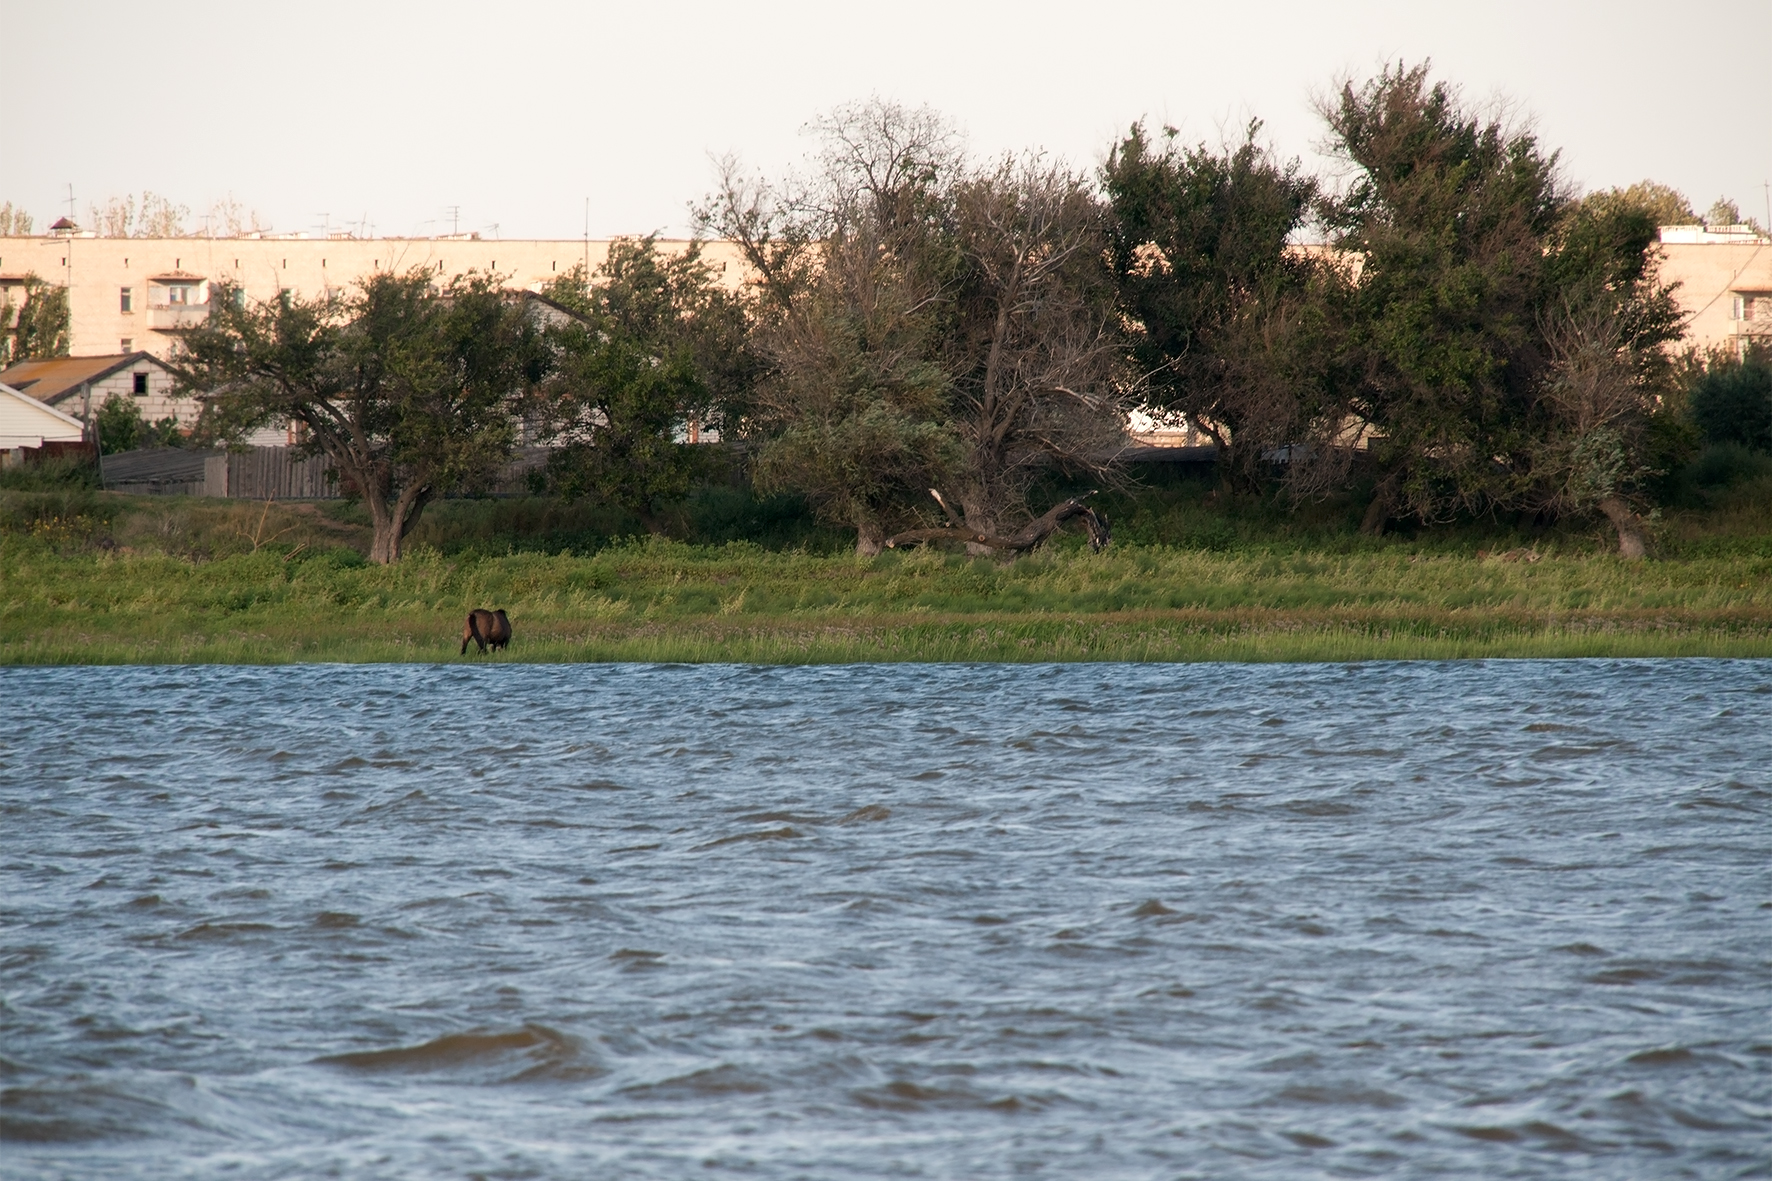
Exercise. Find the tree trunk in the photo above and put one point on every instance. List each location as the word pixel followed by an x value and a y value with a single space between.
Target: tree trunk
pixel 1629 526
pixel 1036 532
pixel 393 524
pixel 385 548
pixel 1379 511
pixel 870 539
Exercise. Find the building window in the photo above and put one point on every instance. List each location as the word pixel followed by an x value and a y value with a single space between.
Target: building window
pixel 1739 309
pixel 141 385
pixel 126 299
pixel 127 345
pixel 239 297
pixel 178 295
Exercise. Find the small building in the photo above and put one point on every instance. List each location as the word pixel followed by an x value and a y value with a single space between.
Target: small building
pixel 28 425
pixel 1724 278
pixel 67 383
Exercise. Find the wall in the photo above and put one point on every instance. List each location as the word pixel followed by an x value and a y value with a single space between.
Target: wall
pixel 1708 274
pixel 98 268
pixel 156 404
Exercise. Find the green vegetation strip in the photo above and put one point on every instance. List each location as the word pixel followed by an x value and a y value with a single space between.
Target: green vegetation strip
pixel 666 601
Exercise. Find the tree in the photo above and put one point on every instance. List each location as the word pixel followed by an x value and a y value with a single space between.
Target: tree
pixel 41 329
pixel 925 324
pixel 119 423
pixel 1665 206
pixel 658 344
pixel 1604 325
pixel 1724 212
pixel 1035 350
pixel 1200 245
pixel 412 392
pixel 1510 340
pixel 850 302
pixel 121 427
pixel 1731 396
pixel 14 222
pixel 1447 216
pixel 155 217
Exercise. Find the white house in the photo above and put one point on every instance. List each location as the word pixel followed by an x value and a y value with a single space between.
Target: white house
pixel 27 424
pixel 79 385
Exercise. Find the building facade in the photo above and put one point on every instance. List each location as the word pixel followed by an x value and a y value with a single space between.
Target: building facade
pixel 130 295
pixel 1724 277
pixel 78 386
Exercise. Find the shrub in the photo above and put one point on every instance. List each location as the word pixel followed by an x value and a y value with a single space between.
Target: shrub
pixel 1732 401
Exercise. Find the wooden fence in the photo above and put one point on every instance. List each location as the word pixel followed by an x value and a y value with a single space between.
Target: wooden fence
pixel 264 473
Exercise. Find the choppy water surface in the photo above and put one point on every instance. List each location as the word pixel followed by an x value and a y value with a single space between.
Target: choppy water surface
pixel 1504 919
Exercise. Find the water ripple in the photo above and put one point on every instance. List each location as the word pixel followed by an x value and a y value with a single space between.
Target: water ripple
pixel 1419 920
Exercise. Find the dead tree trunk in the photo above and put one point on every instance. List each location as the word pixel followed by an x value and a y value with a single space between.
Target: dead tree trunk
pixel 1379 511
pixel 869 538
pixel 1028 538
pixel 1629 526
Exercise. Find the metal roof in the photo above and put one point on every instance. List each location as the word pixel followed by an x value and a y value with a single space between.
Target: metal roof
pixel 51 379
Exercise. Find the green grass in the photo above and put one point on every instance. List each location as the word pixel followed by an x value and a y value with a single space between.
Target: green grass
pixel 93 578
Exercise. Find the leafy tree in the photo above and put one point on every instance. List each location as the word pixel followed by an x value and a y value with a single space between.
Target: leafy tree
pixel 1200 247
pixel 659 343
pixel 154 217
pixel 1447 216
pixel 1724 212
pixel 121 427
pixel 850 307
pixel 925 323
pixel 1511 340
pixel 1730 397
pixel 1665 206
pixel 1605 322
pixel 41 329
pixel 412 392
pixel 119 423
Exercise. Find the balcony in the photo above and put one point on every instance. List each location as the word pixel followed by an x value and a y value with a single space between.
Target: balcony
pixel 176 317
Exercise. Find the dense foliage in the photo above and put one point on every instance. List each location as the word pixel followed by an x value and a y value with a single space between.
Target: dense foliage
pixel 1446 332
pixel 652 349
pixel 412 390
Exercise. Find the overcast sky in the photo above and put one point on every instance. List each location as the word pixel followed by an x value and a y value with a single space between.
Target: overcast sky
pixel 390 114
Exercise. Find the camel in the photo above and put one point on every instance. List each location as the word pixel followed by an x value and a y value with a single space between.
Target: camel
pixel 486 627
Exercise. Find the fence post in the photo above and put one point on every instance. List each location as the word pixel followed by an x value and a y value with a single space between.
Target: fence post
pixel 215 475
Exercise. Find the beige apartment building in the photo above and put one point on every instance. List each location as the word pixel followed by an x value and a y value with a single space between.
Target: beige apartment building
pixel 129 295
pixel 1725 282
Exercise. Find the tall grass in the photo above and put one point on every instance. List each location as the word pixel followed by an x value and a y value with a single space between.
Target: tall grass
pixel 65 599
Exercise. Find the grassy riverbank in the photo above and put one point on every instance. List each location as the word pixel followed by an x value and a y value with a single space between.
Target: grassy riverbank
pixel 104 579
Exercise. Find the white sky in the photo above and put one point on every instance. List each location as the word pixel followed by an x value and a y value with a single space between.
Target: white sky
pixel 518 111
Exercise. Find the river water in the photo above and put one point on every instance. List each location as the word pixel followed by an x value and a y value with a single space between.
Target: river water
pixel 1402 920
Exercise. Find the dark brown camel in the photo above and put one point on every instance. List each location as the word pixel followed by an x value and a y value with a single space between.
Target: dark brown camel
pixel 486 627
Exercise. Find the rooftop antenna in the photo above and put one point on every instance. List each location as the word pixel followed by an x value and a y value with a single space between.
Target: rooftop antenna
pixel 587 274
pixel 454 220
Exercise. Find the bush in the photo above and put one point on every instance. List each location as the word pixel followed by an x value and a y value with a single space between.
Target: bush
pixel 1732 401
pixel 1724 465
pixel 62 473
pixel 120 424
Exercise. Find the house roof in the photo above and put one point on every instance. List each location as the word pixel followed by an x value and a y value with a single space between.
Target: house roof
pixel 26 422
pixel 53 378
